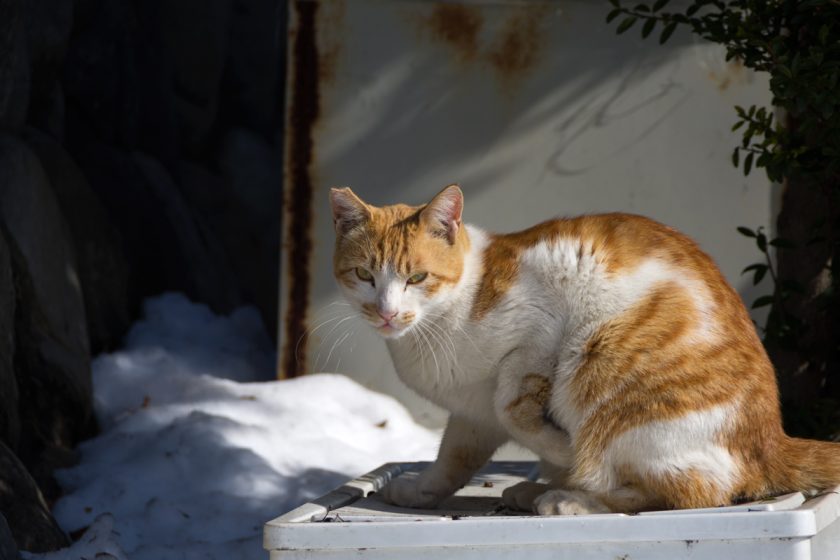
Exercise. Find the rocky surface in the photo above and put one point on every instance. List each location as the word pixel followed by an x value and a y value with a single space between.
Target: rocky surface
pixel 14 65
pixel 138 155
pixel 9 418
pixel 8 547
pixel 21 503
pixel 101 263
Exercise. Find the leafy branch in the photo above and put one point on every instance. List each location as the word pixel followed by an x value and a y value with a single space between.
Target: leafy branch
pixel 798 43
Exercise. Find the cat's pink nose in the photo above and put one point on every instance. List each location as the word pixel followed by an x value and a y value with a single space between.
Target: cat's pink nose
pixel 387 315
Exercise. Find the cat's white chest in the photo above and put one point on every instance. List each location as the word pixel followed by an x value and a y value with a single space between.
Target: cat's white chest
pixel 452 369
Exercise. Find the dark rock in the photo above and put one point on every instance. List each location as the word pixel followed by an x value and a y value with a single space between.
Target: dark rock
pixel 206 265
pixel 252 86
pixel 48 26
pixel 9 423
pixel 120 76
pixel 252 170
pixel 146 75
pixel 52 360
pixel 46 106
pixel 195 35
pixel 168 247
pixel 14 65
pixel 103 268
pixel 155 263
pixel 8 548
pixel 33 527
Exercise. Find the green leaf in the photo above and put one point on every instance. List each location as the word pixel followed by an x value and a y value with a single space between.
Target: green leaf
pixel 736 157
pixel 737 125
pixel 753 267
pixel 642 8
pixel 747 232
pixel 614 3
pixel 823 34
pixel 762 301
pixel 613 14
pixel 748 161
pixel 626 24
pixel 648 27
pixel 667 32
pixel 759 275
pixel 659 4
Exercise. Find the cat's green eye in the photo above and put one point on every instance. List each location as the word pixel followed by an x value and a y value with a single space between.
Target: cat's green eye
pixel 364 274
pixel 417 278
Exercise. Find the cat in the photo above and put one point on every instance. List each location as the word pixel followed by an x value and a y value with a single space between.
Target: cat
pixel 609 345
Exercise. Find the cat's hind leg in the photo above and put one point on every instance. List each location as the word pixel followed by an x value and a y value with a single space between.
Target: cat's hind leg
pixel 581 502
pixel 675 490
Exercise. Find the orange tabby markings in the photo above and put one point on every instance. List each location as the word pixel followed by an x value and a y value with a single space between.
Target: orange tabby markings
pixel 653 389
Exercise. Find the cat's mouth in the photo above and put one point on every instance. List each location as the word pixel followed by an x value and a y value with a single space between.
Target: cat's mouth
pixel 390 330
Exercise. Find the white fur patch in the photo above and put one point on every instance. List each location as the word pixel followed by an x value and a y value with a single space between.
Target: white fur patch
pixel 670 447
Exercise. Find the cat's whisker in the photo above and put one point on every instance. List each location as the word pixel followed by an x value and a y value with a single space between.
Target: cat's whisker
pixel 312 330
pixel 419 350
pixel 338 343
pixel 446 338
pixel 431 349
pixel 327 336
pixel 439 343
pixel 446 346
pixel 456 325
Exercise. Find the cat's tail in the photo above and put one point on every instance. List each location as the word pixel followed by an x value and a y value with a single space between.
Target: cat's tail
pixel 807 465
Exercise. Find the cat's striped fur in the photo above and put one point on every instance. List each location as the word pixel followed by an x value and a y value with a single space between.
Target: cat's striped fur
pixel 610 345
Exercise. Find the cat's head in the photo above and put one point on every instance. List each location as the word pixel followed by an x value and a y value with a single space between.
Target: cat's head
pixel 398 264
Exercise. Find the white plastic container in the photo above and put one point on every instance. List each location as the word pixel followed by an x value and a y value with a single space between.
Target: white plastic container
pixel 351 522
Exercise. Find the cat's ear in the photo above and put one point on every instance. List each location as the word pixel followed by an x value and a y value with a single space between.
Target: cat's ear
pixel 443 214
pixel 348 210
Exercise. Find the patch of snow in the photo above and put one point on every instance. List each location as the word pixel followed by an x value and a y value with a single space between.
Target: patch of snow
pixel 98 541
pixel 196 453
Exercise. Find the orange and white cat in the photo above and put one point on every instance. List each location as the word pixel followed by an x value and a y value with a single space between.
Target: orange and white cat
pixel 609 345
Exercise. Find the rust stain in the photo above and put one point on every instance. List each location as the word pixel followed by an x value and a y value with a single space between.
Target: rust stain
pixel 304 110
pixel 733 72
pixel 517 47
pixel 458 26
pixel 509 50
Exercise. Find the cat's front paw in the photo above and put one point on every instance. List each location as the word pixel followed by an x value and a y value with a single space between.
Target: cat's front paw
pixel 568 502
pixel 412 492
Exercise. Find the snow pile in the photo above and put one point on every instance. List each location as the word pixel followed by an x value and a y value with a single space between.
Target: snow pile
pixel 99 541
pixel 196 454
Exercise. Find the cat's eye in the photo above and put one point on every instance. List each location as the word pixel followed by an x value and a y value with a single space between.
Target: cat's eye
pixel 417 278
pixel 364 274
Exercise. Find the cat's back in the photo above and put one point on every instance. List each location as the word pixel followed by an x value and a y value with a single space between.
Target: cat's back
pixel 599 266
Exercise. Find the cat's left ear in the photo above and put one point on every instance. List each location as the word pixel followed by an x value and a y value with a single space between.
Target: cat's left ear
pixel 443 214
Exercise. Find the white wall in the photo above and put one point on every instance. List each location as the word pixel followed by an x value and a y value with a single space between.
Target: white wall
pixel 578 120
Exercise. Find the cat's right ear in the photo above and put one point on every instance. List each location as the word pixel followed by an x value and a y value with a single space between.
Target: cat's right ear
pixel 348 210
